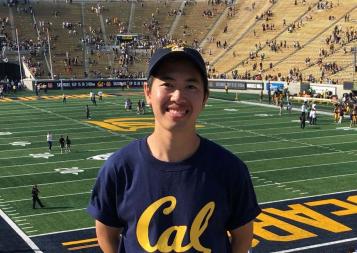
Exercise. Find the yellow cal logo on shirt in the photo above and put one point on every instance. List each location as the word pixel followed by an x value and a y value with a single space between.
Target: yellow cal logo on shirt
pixel 199 225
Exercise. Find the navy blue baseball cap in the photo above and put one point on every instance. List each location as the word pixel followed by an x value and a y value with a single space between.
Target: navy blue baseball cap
pixel 191 54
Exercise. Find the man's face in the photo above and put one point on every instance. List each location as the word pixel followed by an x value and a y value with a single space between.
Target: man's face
pixel 176 96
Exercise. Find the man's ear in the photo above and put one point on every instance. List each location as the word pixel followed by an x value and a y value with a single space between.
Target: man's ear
pixel 147 93
pixel 205 99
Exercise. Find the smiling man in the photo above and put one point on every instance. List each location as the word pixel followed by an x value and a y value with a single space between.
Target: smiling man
pixel 174 191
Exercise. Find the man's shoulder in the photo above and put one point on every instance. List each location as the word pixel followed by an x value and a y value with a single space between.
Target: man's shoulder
pixel 215 151
pixel 127 152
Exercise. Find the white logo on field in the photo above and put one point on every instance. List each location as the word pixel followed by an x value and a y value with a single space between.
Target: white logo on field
pixel 346 128
pixel 263 115
pixel 100 157
pixel 5 133
pixel 73 170
pixel 230 110
pixel 43 155
pixel 20 143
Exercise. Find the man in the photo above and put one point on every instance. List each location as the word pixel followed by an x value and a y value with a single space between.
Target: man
pixel 49 139
pixel 68 144
pixel 87 112
pixel 303 114
pixel 174 191
pixel 62 143
pixel 100 95
pixel 35 198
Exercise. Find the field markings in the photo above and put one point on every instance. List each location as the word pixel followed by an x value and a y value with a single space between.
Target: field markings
pixel 49 162
pixel 269 149
pixel 37 136
pixel 264 181
pixel 23 224
pixel 24 237
pixel 308 179
pixel 25 228
pixel 64 117
pixel 52 183
pixel 262 203
pixel 317 245
pixel 81 159
pixel 52 196
pixel 63 231
pixel 295 156
pixel 50 213
pixel 299 167
pixel 305 197
pixel 45 147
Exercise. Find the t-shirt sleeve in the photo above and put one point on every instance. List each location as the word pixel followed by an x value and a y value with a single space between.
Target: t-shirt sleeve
pixel 103 201
pixel 244 203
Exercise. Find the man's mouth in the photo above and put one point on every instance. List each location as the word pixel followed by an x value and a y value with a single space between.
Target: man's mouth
pixel 176 112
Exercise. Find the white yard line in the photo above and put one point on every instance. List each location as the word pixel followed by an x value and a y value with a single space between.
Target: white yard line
pixel 48 197
pixel 64 117
pixel 50 213
pixel 316 246
pixel 300 167
pixel 45 147
pixel 287 157
pixel 62 182
pixel 29 164
pixel 63 231
pixel 308 179
pixel 45 172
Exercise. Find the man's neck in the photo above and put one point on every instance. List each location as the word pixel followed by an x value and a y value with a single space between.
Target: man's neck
pixel 173 147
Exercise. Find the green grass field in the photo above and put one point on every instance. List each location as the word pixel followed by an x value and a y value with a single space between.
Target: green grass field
pixel 285 161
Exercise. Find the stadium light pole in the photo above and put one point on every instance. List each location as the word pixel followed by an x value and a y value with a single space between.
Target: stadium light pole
pixel 18 53
pixel 49 52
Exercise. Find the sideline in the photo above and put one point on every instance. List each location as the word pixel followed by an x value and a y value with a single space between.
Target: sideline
pixel 316 246
pixel 26 239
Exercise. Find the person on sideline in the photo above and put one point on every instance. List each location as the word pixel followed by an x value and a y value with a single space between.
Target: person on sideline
pixel 62 143
pixel 68 144
pixel 168 191
pixel 87 112
pixel 100 95
pixel 49 140
pixel 35 198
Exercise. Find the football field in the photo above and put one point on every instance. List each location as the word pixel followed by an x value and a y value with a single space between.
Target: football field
pixel 292 168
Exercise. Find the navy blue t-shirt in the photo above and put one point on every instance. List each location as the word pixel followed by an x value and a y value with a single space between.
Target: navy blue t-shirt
pixel 182 206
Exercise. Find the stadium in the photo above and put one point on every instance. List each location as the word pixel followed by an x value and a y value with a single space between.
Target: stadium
pixel 283 98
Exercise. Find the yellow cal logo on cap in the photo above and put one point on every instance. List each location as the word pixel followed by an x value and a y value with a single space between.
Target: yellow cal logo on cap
pixel 177 48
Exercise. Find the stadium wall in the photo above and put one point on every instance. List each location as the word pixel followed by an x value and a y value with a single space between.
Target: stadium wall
pixel 255 86
pixel 244 86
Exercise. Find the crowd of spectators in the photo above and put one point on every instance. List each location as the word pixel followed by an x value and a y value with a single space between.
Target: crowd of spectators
pixel 125 55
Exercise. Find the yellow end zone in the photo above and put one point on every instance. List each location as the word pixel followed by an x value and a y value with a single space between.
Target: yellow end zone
pixel 126 124
pixel 57 97
pixel 311 221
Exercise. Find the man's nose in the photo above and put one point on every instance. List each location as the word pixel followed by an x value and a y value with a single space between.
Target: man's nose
pixel 177 95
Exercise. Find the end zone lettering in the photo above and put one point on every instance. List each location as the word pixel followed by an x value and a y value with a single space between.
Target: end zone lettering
pixel 307 221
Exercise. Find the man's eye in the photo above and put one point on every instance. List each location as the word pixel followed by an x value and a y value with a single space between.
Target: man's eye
pixel 191 86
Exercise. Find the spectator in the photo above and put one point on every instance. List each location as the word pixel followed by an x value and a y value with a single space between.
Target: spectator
pixel 49 140
pixel 35 198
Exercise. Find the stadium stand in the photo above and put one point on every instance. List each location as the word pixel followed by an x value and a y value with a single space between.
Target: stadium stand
pixel 275 39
